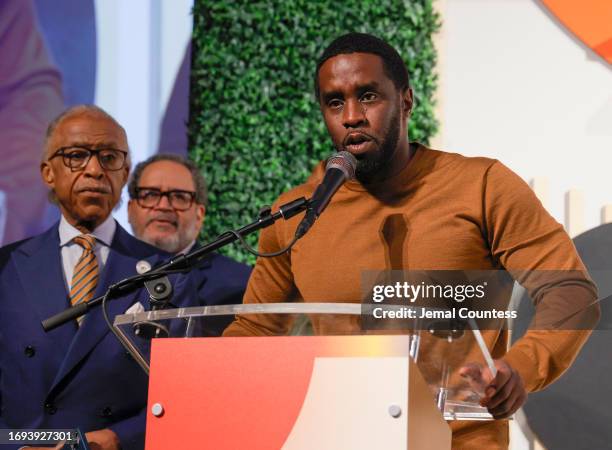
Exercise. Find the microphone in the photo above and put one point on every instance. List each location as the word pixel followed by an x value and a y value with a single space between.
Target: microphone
pixel 339 168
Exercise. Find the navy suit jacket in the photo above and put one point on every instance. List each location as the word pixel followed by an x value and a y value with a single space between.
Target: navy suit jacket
pixel 220 281
pixel 71 377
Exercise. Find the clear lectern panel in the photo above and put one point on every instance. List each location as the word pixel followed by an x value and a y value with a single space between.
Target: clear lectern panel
pixel 451 354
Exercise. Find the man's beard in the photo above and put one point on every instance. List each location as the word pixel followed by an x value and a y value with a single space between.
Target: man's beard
pixel 372 164
pixel 170 244
pixel 175 242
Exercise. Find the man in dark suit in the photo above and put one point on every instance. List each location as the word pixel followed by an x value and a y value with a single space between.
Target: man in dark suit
pixel 166 209
pixel 77 375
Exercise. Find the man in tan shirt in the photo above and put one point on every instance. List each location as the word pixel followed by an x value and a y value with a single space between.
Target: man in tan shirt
pixel 410 208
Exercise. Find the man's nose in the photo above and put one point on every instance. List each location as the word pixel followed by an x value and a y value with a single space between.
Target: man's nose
pixel 164 203
pixel 353 114
pixel 93 167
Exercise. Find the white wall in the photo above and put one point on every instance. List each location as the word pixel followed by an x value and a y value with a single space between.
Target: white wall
pixel 141 44
pixel 515 85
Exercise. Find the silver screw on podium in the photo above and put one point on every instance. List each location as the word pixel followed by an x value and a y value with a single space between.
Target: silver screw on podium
pixel 157 410
pixel 395 411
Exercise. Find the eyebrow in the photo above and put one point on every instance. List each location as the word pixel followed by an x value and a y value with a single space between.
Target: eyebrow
pixel 336 93
pixel 110 144
pixel 151 188
pixel 372 86
pixel 327 96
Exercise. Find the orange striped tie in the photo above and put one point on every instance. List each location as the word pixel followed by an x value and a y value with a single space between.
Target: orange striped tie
pixel 85 276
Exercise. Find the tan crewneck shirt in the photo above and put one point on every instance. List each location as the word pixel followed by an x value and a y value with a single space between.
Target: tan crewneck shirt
pixel 444 211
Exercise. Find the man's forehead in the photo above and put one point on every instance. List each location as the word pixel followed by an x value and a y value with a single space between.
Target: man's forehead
pixel 92 129
pixel 167 175
pixel 354 68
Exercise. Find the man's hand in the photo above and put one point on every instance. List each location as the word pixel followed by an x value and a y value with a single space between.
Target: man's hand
pixel 103 440
pixel 504 394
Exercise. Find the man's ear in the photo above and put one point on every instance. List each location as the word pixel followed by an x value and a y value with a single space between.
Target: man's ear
pixel 407 102
pixel 130 208
pixel 126 175
pixel 46 172
pixel 200 213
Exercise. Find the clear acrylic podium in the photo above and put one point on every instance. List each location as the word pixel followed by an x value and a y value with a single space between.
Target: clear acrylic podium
pixel 442 356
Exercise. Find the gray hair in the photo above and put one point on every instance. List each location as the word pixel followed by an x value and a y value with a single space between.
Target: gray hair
pixel 75 111
pixel 201 194
pixel 71 112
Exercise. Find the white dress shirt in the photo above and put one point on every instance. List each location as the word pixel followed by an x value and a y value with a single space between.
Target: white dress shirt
pixel 71 251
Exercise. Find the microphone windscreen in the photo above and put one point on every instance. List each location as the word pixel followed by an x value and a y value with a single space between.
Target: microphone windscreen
pixel 344 161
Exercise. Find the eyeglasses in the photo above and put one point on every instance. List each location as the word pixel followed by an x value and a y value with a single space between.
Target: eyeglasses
pixel 150 197
pixel 77 157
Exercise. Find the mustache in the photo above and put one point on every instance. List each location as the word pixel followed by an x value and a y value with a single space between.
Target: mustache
pixel 356 134
pixel 166 217
pixel 101 188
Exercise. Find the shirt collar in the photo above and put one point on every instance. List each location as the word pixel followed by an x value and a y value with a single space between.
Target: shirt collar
pixel 103 233
pixel 188 248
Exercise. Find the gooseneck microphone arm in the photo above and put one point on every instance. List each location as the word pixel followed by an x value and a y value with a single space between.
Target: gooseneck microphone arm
pixel 180 263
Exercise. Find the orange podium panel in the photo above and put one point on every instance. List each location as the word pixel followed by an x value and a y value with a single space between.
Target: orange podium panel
pixel 299 392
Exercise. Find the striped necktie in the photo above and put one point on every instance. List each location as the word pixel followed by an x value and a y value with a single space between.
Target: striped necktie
pixel 85 276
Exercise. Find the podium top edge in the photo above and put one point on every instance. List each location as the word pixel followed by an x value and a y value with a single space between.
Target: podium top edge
pixel 222 310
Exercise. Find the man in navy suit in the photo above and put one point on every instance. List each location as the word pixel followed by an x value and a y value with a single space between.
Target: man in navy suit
pixel 166 209
pixel 77 375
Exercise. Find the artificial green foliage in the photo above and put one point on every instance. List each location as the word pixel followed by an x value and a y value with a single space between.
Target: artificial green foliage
pixel 255 127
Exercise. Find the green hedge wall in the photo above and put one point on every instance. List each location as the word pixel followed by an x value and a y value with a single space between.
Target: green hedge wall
pixel 255 127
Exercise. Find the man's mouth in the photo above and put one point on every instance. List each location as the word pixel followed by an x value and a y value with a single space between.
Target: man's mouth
pixel 357 143
pixel 95 190
pixel 164 221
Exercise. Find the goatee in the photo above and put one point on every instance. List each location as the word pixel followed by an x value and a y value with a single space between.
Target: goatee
pixel 369 166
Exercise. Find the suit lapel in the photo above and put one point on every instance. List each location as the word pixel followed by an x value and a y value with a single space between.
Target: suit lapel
pixel 119 265
pixel 202 270
pixel 39 268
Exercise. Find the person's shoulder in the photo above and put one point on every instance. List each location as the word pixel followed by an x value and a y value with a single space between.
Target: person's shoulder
pixel 31 243
pixel 476 169
pixel 594 239
pixel 226 264
pixel 28 245
pixel 126 243
pixel 10 248
pixel 7 250
pixel 305 189
pixel 448 159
